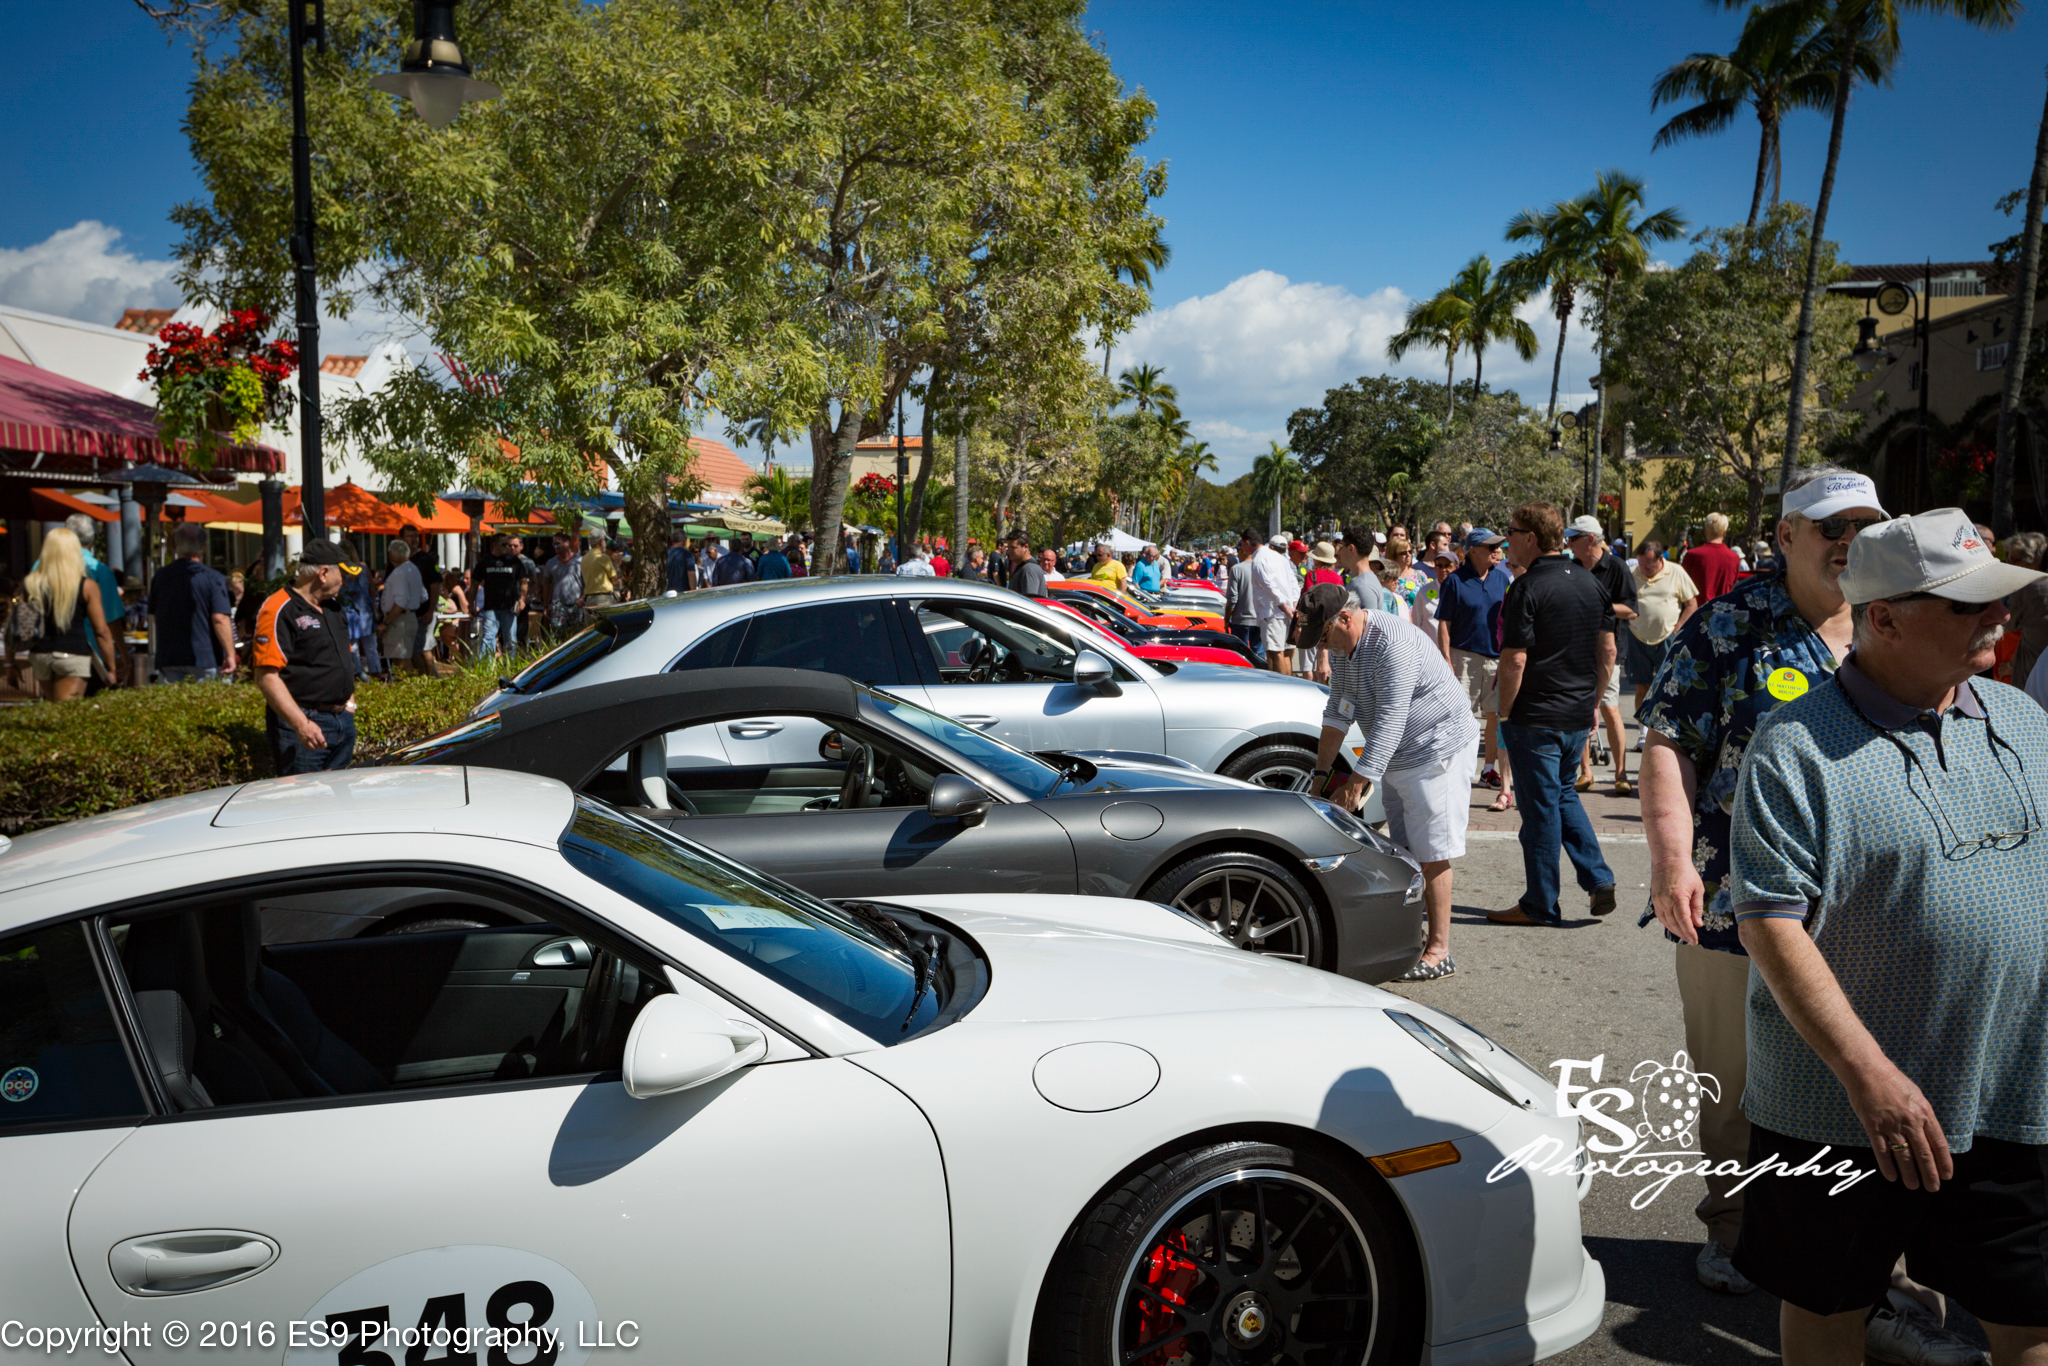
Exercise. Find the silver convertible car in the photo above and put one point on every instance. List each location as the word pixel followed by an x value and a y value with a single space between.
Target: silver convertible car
pixel 982 655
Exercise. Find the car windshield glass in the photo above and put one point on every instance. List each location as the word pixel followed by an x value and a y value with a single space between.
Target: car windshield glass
pixel 612 629
pixel 816 950
pixel 1027 773
pixel 449 743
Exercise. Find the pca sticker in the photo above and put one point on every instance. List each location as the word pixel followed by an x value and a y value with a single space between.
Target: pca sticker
pixel 18 1083
pixel 1786 684
pixel 502 1304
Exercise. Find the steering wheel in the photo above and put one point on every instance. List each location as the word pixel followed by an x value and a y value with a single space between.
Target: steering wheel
pixel 600 1008
pixel 679 799
pixel 975 653
pixel 860 777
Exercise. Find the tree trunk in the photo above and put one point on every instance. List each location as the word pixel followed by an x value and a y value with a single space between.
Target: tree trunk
pixel 2022 337
pixel 1478 373
pixel 1763 168
pixel 1802 346
pixel 1599 456
pixel 1451 386
pixel 831 471
pixel 924 467
pixel 1777 167
pixel 1756 510
pixel 960 481
pixel 647 513
pixel 1564 321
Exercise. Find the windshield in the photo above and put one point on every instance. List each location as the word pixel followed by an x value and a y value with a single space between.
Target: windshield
pixel 818 951
pixel 1027 773
pixel 439 748
pixel 608 632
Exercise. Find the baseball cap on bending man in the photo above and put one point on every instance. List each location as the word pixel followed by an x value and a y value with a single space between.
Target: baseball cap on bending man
pixel 1833 493
pixel 1319 606
pixel 1936 552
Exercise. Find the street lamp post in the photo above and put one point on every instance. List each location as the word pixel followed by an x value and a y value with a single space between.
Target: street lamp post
pixel 902 477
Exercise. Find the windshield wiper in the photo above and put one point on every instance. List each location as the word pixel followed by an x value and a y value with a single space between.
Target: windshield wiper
pixel 926 960
pixel 510 685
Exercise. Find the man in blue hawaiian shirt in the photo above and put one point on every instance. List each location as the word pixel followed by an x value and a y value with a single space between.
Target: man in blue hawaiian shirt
pixel 1766 642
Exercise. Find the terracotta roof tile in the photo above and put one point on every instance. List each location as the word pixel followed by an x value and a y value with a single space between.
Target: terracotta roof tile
pixel 147 321
pixel 875 445
pixel 1911 272
pixel 719 468
pixel 348 367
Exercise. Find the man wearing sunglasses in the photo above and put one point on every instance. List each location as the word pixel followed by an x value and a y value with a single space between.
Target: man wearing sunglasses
pixel 1890 873
pixel 1763 643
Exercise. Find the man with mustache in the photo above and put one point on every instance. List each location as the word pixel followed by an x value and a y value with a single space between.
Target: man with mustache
pixel 1889 870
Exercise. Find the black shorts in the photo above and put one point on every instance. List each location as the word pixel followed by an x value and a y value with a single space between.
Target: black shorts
pixel 1982 1238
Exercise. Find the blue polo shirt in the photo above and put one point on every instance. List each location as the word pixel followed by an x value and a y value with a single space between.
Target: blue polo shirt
pixel 1910 846
pixel 184 598
pixel 1470 606
pixel 1146 576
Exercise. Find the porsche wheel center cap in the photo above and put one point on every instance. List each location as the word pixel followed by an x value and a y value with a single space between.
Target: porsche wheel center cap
pixel 1246 1320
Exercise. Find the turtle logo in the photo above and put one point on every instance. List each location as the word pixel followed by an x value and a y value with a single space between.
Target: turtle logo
pixel 1670 1097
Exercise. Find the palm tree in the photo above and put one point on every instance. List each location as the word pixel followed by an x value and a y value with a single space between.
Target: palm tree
pixel 1558 262
pixel 1146 386
pixel 774 494
pixel 1780 63
pixel 1861 34
pixel 1138 266
pixel 1275 475
pixel 1615 235
pixel 1477 309
pixel 2022 331
pixel 1427 326
pixel 1195 460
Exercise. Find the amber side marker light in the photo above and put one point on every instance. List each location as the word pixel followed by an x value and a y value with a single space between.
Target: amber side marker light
pixel 1411 1160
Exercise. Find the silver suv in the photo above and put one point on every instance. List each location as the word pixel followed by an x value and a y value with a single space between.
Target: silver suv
pixel 996 660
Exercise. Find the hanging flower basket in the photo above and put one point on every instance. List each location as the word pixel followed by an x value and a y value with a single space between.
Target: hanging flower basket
pixel 216 389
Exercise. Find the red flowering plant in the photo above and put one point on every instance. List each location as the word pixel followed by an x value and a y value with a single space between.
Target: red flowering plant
pixel 1965 468
pixel 875 486
pixel 871 500
pixel 219 388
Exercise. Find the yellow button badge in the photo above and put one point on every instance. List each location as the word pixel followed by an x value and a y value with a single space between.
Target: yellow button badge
pixel 1786 684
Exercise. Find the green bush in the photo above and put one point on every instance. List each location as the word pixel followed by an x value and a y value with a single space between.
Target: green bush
pixel 61 761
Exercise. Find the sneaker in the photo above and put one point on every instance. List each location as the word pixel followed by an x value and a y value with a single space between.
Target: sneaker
pixel 1637 747
pixel 1603 904
pixel 1909 1336
pixel 1491 777
pixel 1715 1267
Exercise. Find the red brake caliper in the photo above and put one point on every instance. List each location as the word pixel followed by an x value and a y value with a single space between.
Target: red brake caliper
pixel 1170 1275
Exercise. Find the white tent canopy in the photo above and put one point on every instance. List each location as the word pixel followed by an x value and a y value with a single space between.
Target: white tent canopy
pixel 1118 540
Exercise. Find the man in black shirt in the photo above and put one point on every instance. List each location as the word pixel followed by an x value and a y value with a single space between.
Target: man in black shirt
pixel 1556 655
pixel 1025 575
pixel 305 665
pixel 1583 539
pixel 502 579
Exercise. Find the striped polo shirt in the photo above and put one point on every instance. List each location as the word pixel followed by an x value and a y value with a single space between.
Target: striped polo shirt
pixel 1402 695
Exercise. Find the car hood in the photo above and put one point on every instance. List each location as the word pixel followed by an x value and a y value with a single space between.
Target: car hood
pixel 1128 771
pixel 1246 678
pixel 1099 958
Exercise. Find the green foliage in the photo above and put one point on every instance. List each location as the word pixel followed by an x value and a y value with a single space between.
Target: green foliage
pixel 1218 509
pixel 1365 433
pixel 65 760
pixel 1492 461
pixel 1699 358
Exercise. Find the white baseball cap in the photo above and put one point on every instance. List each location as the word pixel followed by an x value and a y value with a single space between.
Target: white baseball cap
pixel 1824 497
pixel 1936 552
pixel 1589 525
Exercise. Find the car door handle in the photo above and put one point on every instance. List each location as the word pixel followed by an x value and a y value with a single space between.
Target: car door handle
pixel 176 1263
pixel 753 730
pixel 978 722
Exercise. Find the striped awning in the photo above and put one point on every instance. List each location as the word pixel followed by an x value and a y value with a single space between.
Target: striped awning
pixel 44 413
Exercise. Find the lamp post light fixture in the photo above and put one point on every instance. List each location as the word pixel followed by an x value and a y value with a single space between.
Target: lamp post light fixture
pixel 435 75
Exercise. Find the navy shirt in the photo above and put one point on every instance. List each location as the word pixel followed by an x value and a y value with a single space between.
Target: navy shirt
pixel 1469 604
pixel 183 598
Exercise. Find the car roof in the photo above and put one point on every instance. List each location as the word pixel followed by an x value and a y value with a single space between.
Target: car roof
pixel 571 733
pixel 367 801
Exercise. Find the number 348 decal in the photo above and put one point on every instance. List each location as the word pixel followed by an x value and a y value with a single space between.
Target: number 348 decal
pixel 464 1306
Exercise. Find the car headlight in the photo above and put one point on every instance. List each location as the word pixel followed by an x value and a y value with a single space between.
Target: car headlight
pixel 1340 820
pixel 1445 1047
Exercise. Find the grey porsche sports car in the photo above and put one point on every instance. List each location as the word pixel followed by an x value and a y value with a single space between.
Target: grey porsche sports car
pixel 895 800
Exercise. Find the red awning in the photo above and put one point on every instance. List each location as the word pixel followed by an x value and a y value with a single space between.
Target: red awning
pixel 42 411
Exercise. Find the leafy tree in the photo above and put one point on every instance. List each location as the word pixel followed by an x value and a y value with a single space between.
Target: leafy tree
pixel 1136 264
pixel 1428 325
pixel 1145 388
pixel 1699 357
pixel 1364 437
pixel 773 493
pixel 1609 226
pixel 1864 37
pixel 1218 509
pixel 1782 62
pixel 1474 311
pixel 1184 473
pixel 1490 463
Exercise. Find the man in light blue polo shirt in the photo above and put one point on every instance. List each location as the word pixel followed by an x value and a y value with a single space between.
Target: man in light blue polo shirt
pixel 1890 872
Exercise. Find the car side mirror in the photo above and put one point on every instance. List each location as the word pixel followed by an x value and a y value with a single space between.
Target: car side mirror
pixel 1093 672
pixel 677 1043
pixel 831 747
pixel 955 798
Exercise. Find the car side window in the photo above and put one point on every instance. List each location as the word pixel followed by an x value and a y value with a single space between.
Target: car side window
pixel 371 987
pixel 849 637
pixel 717 650
pixel 61 1059
pixel 972 643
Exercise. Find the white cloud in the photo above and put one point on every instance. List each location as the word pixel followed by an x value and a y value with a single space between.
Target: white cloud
pixel 78 272
pixel 1247 356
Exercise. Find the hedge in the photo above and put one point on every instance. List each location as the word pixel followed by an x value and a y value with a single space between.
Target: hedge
pixel 63 760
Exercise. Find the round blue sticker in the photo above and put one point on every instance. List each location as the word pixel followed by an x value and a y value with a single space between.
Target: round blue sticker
pixel 18 1083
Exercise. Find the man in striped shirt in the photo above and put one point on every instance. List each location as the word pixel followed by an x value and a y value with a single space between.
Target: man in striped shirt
pixel 1391 680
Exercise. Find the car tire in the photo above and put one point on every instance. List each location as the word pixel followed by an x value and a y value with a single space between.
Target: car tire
pixel 1282 767
pixel 1254 902
pixel 1335 1284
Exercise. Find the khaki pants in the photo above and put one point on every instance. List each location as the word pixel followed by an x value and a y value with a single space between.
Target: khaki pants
pixel 1714 989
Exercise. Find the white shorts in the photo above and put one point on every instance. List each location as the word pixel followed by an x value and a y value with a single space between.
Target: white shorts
pixel 1429 808
pixel 1276 634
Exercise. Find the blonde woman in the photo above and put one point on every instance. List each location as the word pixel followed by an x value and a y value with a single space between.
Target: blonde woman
pixel 69 602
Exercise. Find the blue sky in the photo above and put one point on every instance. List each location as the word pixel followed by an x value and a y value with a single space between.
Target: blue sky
pixel 1328 163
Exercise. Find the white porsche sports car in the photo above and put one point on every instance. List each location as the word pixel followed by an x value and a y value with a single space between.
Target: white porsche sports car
pixel 450 1065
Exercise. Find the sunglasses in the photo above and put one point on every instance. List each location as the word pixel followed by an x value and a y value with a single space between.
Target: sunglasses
pixel 1835 528
pixel 1520 531
pixel 1961 609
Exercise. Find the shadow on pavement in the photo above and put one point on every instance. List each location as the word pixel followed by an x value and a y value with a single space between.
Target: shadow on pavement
pixel 1674 1317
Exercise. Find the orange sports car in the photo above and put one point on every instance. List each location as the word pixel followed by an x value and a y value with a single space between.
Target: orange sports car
pixel 1137 611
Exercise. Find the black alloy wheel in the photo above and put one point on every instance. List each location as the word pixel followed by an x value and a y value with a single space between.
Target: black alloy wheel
pixel 1282 767
pixel 1236 1254
pixel 1250 901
